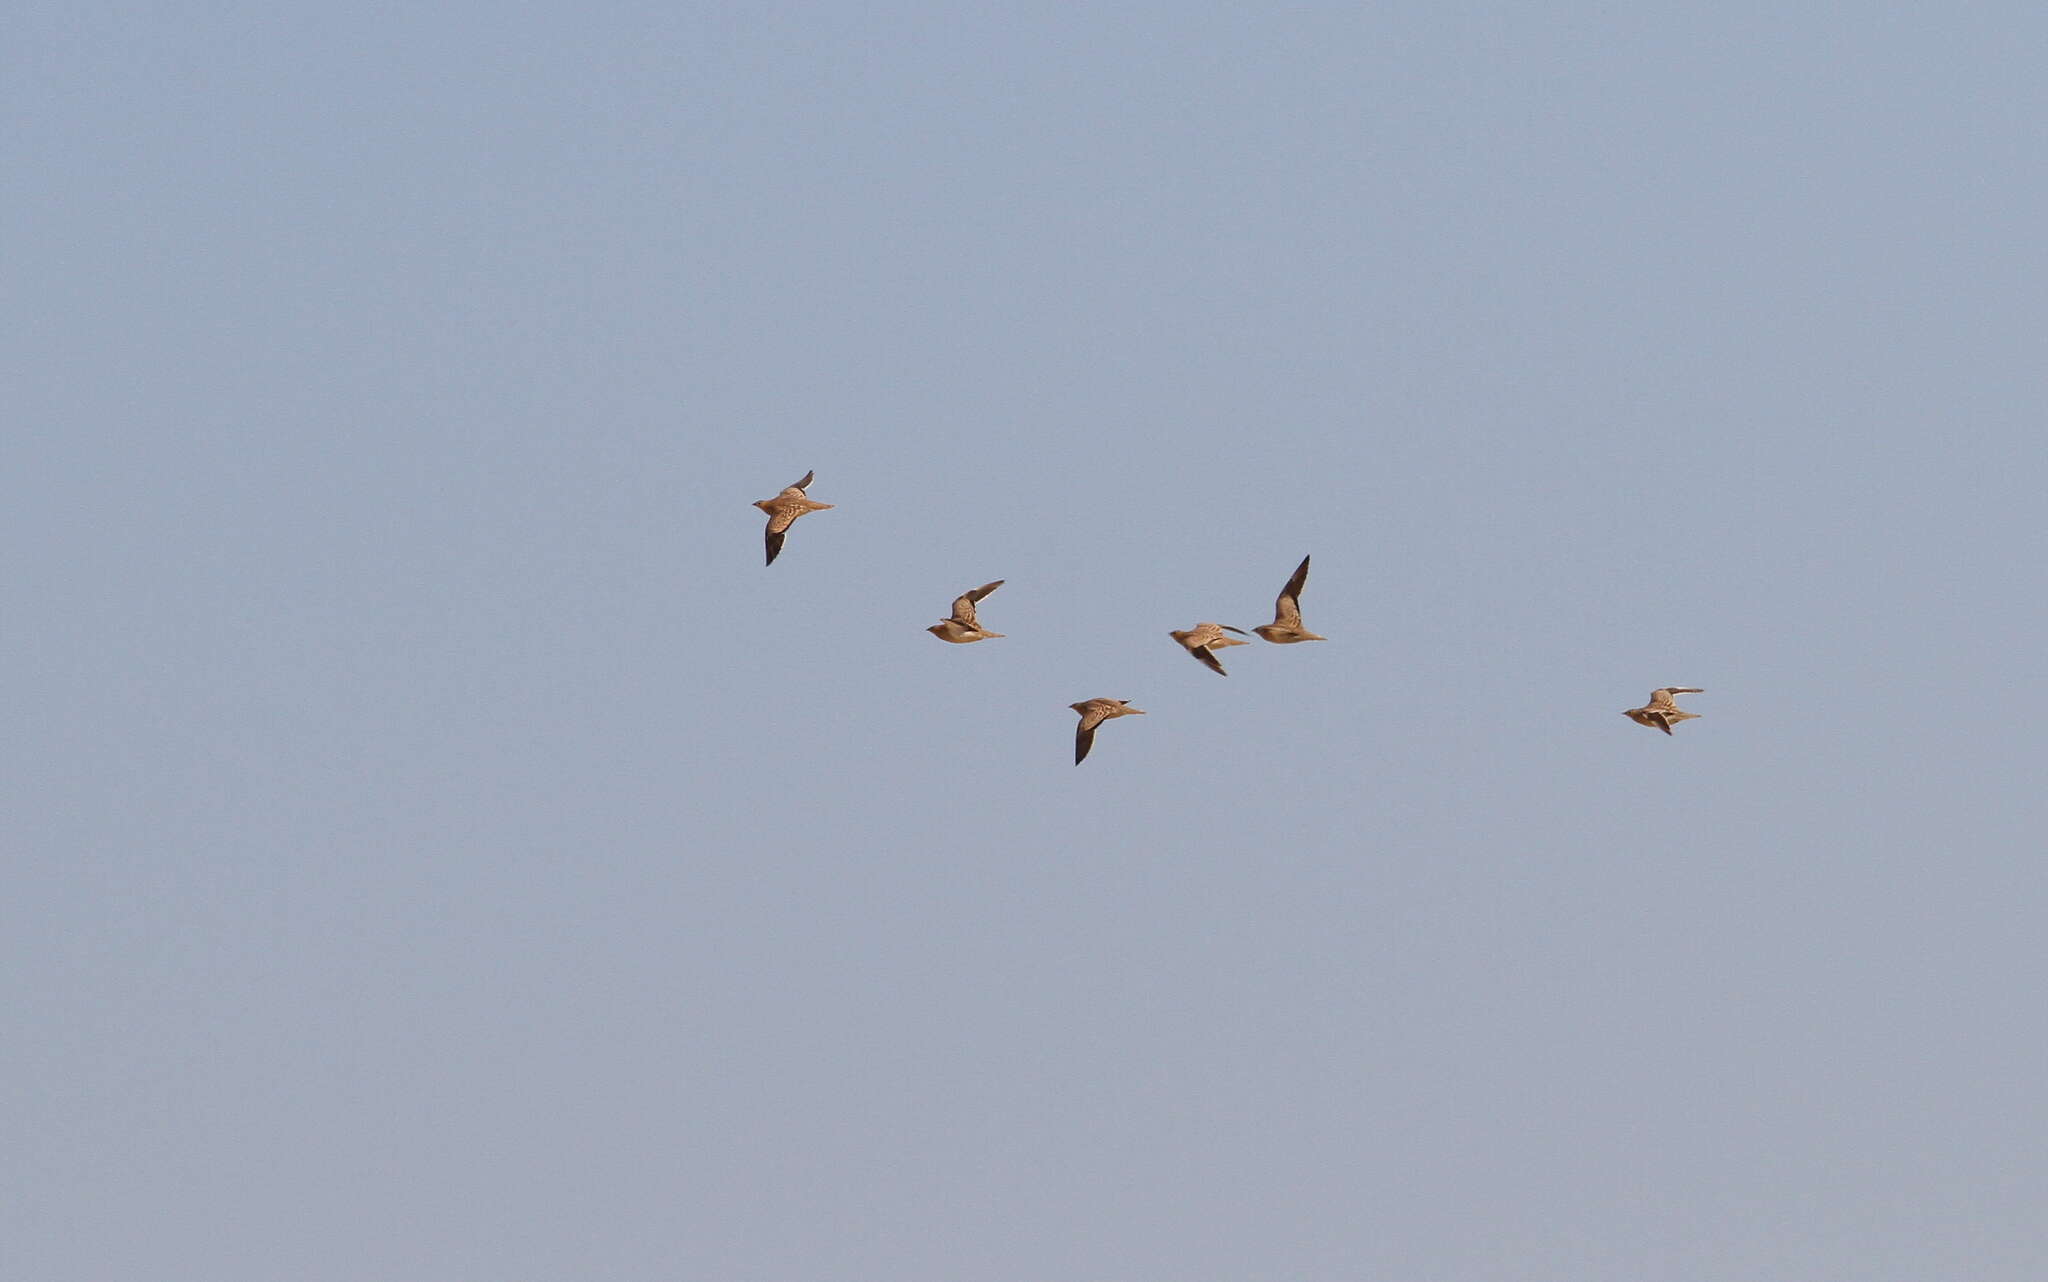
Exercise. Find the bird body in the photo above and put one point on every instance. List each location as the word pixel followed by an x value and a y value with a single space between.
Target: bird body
pixel 1286 629
pixel 964 627
pixel 1204 639
pixel 1093 713
pixel 1661 712
pixel 784 509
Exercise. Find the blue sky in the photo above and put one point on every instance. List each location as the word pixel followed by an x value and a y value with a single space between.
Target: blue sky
pixel 438 849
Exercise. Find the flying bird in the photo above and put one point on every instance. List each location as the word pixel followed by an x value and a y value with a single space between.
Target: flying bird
pixel 784 509
pixel 1286 629
pixel 963 627
pixel 1204 639
pixel 1093 713
pixel 1661 712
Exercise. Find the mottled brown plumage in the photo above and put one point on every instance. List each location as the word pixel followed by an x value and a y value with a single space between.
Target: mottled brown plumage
pixel 1093 713
pixel 1286 629
pixel 1660 712
pixel 964 628
pixel 784 509
pixel 1204 639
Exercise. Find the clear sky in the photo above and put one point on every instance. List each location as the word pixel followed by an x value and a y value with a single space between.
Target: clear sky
pixel 438 849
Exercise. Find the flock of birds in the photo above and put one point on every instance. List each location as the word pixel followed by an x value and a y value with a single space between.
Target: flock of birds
pixel 1202 641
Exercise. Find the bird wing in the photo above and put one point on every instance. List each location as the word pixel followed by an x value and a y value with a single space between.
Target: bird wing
pixel 1287 609
pixel 1661 721
pixel 1208 659
pixel 775 536
pixel 804 484
pixel 963 606
pixel 1092 715
pixel 1662 698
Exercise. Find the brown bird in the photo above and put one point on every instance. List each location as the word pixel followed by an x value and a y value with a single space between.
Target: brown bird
pixel 1286 629
pixel 1204 639
pixel 784 509
pixel 1661 712
pixel 1093 713
pixel 963 627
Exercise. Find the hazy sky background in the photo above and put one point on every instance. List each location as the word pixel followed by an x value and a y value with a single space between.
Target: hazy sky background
pixel 437 849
